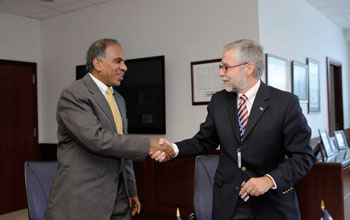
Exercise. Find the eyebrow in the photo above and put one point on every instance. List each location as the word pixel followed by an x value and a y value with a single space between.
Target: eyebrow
pixel 119 59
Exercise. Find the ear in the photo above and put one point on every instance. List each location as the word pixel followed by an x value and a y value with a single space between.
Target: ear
pixel 250 67
pixel 97 64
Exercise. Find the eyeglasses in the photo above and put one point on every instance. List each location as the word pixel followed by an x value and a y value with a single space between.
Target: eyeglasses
pixel 225 68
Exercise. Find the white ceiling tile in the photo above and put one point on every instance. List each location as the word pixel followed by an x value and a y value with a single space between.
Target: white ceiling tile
pixel 74 6
pixel 99 1
pixel 327 3
pixel 46 14
pixel 53 4
pixel 343 9
pixel 315 3
pixel 19 8
pixel 329 11
pixel 339 19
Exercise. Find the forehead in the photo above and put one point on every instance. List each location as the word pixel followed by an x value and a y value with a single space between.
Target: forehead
pixel 114 51
pixel 228 57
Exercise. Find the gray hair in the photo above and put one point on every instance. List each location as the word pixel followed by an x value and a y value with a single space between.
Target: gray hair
pixel 249 51
pixel 98 50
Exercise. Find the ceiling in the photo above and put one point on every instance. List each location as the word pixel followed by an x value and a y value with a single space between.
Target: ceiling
pixel 41 9
pixel 337 10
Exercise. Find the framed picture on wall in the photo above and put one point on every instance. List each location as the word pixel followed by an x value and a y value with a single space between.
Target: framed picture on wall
pixel 276 72
pixel 205 80
pixel 300 80
pixel 314 85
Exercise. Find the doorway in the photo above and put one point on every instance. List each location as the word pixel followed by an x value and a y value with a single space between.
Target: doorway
pixel 18 130
pixel 335 95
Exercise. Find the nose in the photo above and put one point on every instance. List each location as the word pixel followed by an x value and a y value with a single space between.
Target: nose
pixel 221 72
pixel 123 67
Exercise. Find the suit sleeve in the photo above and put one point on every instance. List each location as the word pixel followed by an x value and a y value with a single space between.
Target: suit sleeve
pixel 204 142
pixel 299 153
pixel 77 120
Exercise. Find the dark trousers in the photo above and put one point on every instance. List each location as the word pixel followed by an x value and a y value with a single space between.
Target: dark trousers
pixel 243 211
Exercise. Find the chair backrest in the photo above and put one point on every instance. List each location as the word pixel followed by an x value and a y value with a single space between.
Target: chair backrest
pixel 203 185
pixel 38 181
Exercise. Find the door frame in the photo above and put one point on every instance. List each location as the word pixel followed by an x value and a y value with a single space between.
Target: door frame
pixel 338 84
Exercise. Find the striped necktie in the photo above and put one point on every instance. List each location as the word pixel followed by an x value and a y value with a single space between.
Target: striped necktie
pixel 116 115
pixel 242 114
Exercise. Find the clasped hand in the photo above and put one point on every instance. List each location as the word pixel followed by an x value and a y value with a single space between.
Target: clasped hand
pixel 161 150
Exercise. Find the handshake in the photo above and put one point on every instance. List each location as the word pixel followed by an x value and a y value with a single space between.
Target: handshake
pixel 161 150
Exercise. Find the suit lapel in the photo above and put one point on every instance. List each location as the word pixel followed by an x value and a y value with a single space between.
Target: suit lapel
pixel 231 106
pixel 259 107
pixel 100 99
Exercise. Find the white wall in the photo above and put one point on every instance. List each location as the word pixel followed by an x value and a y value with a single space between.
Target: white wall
pixel 183 31
pixel 20 40
pixel 295 30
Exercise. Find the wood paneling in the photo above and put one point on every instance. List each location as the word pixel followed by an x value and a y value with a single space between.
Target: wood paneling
pixel 324 182
pixel 162 187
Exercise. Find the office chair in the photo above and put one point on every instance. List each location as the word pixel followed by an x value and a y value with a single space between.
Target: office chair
pixel 38 181
pixel 203 186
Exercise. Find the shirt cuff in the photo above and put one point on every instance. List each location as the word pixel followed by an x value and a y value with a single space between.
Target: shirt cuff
pixel 274 183
pixel 176 149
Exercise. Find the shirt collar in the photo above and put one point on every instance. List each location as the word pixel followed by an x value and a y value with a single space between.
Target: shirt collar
pixel 101 85
pixel 251 93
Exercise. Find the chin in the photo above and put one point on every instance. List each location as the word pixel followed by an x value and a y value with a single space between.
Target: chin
pixel 116 83
pixel 228 89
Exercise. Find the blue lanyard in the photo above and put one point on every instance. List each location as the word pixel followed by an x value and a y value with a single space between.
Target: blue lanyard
pixel 240 124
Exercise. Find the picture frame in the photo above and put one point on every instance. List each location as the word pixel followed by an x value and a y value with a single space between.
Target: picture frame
pixel 333 144
pixel 341 139
pixel 300 80
pixel 276 71
pixel 314 85
pixel 326 145
pixel 205 80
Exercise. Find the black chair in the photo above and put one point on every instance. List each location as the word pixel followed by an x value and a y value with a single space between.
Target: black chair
pixel 203 186
pixel 38 181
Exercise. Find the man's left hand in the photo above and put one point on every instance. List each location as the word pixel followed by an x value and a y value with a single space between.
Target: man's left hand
pixel 257 186
pixel 135 205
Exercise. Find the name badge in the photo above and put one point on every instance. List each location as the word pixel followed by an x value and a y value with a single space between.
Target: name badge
pixel 239 158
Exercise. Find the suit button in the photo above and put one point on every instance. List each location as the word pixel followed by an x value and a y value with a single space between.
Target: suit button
pixel 116 180
pixel 237 188
pixel 244 169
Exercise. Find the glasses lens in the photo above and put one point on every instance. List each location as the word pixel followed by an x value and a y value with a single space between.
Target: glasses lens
pixel 224 68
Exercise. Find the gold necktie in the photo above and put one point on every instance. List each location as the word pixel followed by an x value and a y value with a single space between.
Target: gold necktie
pixel 116 115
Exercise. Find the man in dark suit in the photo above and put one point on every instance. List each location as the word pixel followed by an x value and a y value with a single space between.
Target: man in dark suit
pixel 263 137
pixel 95 178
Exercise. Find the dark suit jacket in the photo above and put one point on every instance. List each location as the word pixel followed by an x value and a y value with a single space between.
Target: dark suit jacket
pixel 276 142
pixel 89 154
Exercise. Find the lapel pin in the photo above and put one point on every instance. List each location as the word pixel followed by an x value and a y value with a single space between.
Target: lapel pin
pixel 261 109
